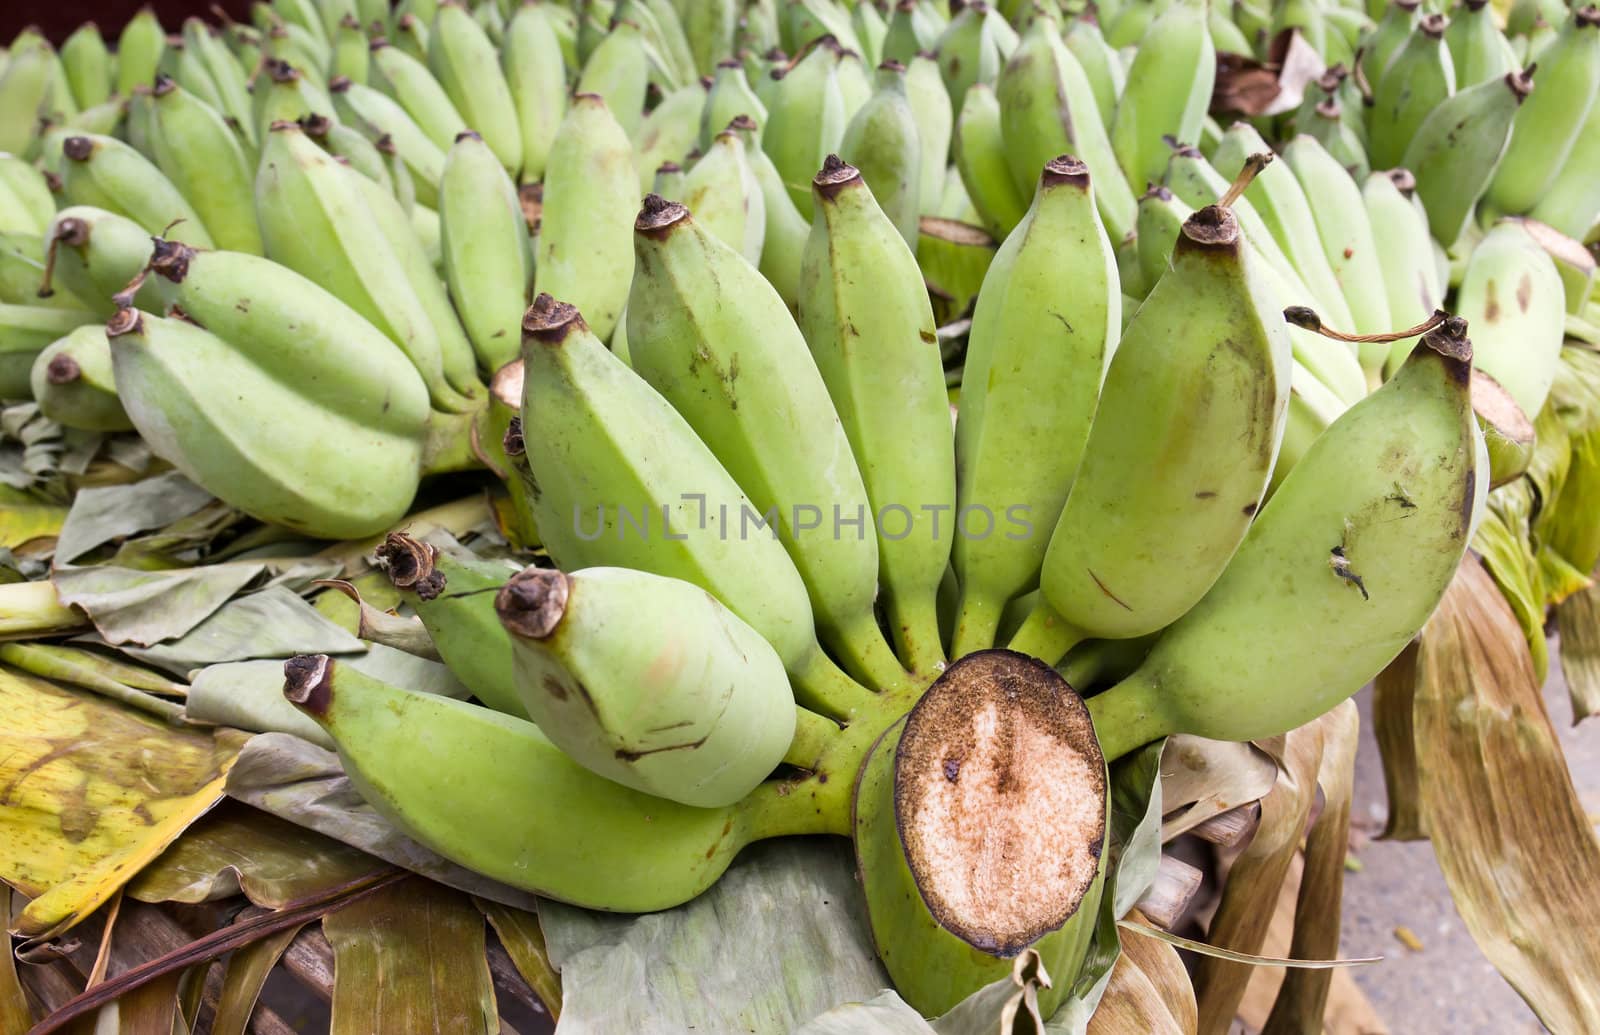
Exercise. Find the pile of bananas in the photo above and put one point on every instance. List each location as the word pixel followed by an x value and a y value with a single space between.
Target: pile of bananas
pixel 703 283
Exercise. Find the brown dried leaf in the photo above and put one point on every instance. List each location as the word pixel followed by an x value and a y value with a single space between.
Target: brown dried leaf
pixel 1203 778
pixel 520 933
pixel 14 1014
pixel 1512 839
pixel 1393 694
pixel 1149 991
pixel 411 959
pixel 241 986
pixel 1578 619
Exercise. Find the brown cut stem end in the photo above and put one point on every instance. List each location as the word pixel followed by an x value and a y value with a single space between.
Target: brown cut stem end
pixel 306 682
pixel 1252 168
pixel 532 604
pixel 550 322
pixel 657 216
pixel 410 564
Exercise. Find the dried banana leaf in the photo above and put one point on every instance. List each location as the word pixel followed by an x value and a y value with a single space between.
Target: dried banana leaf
pixel 146 607
pixel 523 938
pixel 1203 778
pixel 15 1016
pixel 1510 834
pixel 1392 695
pixel 26 519
pixel 247 972
pixel 1149 992
pixel 92 792
pixel 101 516
pixel 885 1013
pixel 1503 543
pixel 411 959
pixel 1578 620
pixel 273 623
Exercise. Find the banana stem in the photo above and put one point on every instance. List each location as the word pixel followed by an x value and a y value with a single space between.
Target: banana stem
pixel 1252 168
pixel 867 656
pixel 29 609
pixel 451 441
pixel 1306 318
pixel 782 808
pixel 1045 635
pixel 823 687
pixel 914 622
pixel 1125 717
pixel 813 734
pixel 977 622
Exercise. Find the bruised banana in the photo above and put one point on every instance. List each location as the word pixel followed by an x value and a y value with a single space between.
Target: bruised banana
pixel 453 591
pixel 454 790
pixel 1043 332
pixel 73 383
pixel 648 681
pixel 859 284
pixel 1194 400
pixel 621 479
pixel 968 855
pixel 484 239
pixel 717 341
pixel 1341 569
pixel 106 173
pixel 221 413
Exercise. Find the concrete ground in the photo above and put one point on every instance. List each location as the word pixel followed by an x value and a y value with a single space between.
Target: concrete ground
pixel 1446 988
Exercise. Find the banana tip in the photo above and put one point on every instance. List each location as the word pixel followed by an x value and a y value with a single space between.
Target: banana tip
pixel 550 321
pixel 409 564
pixel 658 216
pixel 62 370
pixel 1064 169
pixel 305 682
pixel 835 175
pixel 125 321
pixel 532 603
pixel 170 259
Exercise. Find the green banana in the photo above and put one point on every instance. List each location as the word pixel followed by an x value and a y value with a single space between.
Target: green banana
pixel 25 330
pixel 1330 128
pixel 1571 203
pixel 227 77
pixel 883 143
pixel 968 51
pixel 709 333
pixel 411 35
pixel 1161 219
pixel 619 71
pixel 1168 92
pixel 806 119
pixel 1416 81
pixel 729 97
pixel 88 66
pixel 1458 147
pixel 485 243
pixel 968 855
pixel 909 32
pixel 408 81
pixel 669 132
pixel 1405 259
pixel 1047 108
pixel 870 27
pixel 22 271
pixel 860 284
pixel 467 65
pixel 1312 409
pixel 1514 300
pixel 709 26
pixel 532 62
pixel 935 122
pixel 285 94
pixel 25 86
pixel 352 57
pixel 217 411
pixel 377 115
pixel 1100 65
pixel 1340 570
pixel 26 204
pixel 302 13
pixel 648 681
pixel 139 50
pixel 607 452
pixel 453 791
pixel 106 173
pixel 1478 50
pixel 363 156
pixel 452 591
pixel 1286 209
pixel 585 246
pixel 317 221
pixel 1397 25
pixel 784 239
pixel 97 254
pixel 1194 399
pixel 722 191
pixel 1549 126
pixel 1043 332
pixel 981 156
pixel 1572 260
pixel 73 384
pixel 202 157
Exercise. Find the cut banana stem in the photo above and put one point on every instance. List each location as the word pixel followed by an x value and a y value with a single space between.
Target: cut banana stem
pixel 813 735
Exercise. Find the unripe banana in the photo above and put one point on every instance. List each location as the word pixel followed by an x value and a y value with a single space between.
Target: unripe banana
pixel 664 31
pixel 966 854
pixel 1573 262
pixel 284 94
pixel 1047 108
pixel 1282 204
pixel 348 143
pixel 1453 168
pixel 352 58
pixel 620 850
pixel 591 189
pixel 258 443
pixel 1194 399
pixel 1161 219
pixel 411 35
pixel 648 681
pixel 25 84
pixel 227 77
pixel 139 50
pixel 908 32
pixel 452 591
pixel 202 157
pixel 408 81
pixel 882 142
pixel 1312 409
pixel 1330 128
pixel 1405 258
pixel 1515 303
pixel 969 51
pixel 669 132
pixel 467 65
pixel 22 274
pixel 1549 126
pixel 1168 92
pixel 106 173
pixel 25 330
pixel 26 204
pixel 607 452
pixel 783 241
pixel 1338 573
pixel 316 220
pixel 1416 81
pixel 757 30
pixel 709 333
pixel 619 72
pixel 73 384
pixel 95 254
pixel 730 96
pixel 380 116
pixel 935 121
pixel 709 26
pixel 532 61
pixel 723 193
pixel 806 119
pixel 980 155
pixel 1100 64
pixel 1478 50
pixel 1046 324
pixel 1571 203
pixel 1228 38
pixel 1347 241
pixel 302 13
pixel 1396 26
pixel 88 66
pixel 860 284
pixel 486 248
